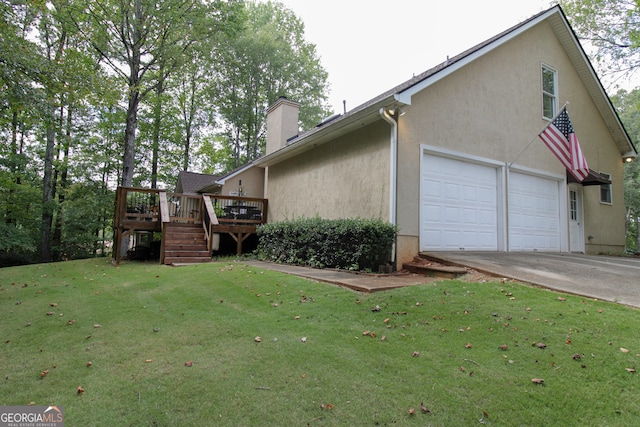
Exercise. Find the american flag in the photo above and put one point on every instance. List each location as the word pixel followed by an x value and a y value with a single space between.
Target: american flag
pixel 560 138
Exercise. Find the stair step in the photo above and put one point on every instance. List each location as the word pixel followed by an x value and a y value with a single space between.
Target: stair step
pixel 448 272
pixel 185 247
pixel 185 244
pixel 437 270
pixel 178 241
pixel 186 260
pixel 186 252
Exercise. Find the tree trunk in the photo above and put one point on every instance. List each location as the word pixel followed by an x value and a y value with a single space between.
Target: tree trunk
pixel 188 122
pixel 63 184
pixel 47 197
pixel 128 157
pixel 157 127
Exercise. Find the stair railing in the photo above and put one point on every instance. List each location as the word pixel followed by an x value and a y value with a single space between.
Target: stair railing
pixel 165 219
pixel 209 220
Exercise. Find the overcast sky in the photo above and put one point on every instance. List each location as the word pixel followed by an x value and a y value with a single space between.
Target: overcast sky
pixel 370 46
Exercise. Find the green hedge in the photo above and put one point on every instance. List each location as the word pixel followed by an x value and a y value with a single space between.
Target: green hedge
pixel 352 244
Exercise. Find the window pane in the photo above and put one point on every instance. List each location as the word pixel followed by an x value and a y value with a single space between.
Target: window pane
pixel 548 106
pixel 605 190
pixel 549 92
pixel 548 81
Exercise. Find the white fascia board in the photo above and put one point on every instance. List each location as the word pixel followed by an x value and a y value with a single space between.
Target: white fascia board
pixel 321 135
pixel 224 179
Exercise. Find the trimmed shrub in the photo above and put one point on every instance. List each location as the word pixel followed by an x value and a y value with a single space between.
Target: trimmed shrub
pixel 351 244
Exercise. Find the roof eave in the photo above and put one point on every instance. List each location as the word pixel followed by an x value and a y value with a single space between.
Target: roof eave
pixel 320 135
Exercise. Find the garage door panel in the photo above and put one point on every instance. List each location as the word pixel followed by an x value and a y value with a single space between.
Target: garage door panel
pixel 458 205
pixel 534 213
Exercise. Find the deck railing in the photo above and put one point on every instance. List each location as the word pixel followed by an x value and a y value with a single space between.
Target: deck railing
pixel 152 209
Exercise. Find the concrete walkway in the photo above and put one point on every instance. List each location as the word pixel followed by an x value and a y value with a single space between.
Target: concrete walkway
pixel 614 279
pixel 352 280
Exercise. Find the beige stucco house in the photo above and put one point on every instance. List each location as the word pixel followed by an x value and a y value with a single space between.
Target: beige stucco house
pixel 453 157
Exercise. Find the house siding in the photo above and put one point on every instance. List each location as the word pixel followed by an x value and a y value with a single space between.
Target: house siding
pixel 252 183
pixel 492 108
pixel 345 178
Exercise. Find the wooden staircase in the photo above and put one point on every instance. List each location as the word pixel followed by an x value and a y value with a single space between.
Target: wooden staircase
pixel 185 244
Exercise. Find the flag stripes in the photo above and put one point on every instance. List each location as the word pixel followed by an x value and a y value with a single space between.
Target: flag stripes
pixel 560 138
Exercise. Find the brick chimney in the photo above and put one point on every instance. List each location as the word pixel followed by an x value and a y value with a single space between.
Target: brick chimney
pixel 282 123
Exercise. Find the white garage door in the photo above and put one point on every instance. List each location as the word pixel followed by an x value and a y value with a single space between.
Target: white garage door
pixel 458 205
pixel 534 213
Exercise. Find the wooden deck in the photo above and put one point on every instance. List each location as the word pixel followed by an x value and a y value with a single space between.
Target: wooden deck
pixel 152 210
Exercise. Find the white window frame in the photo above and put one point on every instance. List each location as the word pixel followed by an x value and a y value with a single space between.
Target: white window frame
pixel 605 189
pixel 553 95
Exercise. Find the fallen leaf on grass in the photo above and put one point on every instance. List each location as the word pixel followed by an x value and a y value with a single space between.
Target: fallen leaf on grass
pixel 97 325
pixel 415 354
pixel 424 408
pixel 503 347
pixel 70 322
pixel 303 339
pixel 148 360
pixel 540 345
pixel 562 299
pixel 327 406
pixel 297 318
pixel 624 350
pixel 44 373
pixel 631 370
pixel 53 304
pixel 89 364
pixel 80 390
pixel 537 380
pixel 468 345
pixel 387 320
pixel 257 339
pixel 50 313
pixel 412 411
pixel 188 364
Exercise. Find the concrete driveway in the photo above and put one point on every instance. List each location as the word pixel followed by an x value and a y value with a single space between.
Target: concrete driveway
pixel 615 279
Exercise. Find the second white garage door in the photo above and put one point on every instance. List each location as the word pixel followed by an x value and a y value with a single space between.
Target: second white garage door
pixel 534 213
pixel 458 205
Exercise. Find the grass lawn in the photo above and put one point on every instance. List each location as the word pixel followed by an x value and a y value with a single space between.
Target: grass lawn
pixel 325 355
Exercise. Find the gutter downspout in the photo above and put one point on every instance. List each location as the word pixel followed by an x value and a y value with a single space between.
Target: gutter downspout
pixel 393 176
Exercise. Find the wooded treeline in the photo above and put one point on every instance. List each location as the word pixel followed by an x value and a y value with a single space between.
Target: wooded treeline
pixel 100 93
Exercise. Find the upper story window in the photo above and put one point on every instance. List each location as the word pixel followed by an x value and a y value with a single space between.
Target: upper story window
pixel 549 92
pixel 605 190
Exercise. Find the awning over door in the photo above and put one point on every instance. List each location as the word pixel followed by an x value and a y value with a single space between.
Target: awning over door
pixel 593 178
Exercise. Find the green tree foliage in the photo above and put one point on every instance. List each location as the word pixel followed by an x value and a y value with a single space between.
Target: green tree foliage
pixel 143 42
pixel 628 106
pixel 76 74
pixel 269 59
pixel 612 28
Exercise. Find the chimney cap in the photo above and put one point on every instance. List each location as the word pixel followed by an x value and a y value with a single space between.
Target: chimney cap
pixel 283 100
